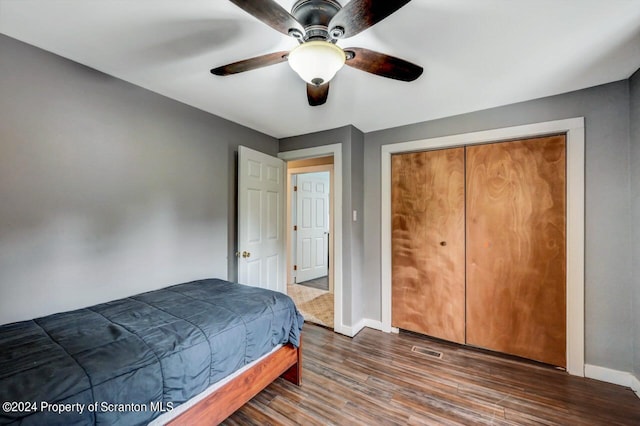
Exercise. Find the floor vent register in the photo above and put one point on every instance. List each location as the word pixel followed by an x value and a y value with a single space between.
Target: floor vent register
pixel 427 351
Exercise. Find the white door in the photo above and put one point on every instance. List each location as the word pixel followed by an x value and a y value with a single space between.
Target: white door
pixel 312 234
pixel 261 214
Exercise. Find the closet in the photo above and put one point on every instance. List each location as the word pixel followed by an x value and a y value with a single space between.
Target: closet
pixel 478 246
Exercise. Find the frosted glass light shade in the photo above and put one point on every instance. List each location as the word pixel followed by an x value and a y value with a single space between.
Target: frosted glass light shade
pixel 316 62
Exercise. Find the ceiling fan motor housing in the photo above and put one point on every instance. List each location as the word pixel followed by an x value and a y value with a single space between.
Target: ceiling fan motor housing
pixel 314 16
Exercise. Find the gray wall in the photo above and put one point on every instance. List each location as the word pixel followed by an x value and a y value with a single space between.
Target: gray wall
pixel 106 189
pixel 609 287
pixel 634 84
pixel 352 199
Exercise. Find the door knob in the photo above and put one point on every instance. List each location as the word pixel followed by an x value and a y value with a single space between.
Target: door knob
pixel 443 243
pixel 246 254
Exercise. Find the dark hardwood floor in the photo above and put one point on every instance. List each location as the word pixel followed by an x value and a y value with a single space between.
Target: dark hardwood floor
pixel 375 379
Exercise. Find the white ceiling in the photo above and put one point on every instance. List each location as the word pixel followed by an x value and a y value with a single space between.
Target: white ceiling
pixel 476 54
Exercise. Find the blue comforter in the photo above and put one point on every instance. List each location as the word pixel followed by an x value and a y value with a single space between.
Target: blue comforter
pixel 127 361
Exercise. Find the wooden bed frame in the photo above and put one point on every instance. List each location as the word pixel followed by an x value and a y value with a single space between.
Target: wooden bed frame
pixel 286 362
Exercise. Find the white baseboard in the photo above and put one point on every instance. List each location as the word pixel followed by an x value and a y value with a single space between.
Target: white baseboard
pixel 357 328
pixel 343 329
pixel 376 325
pixel 616 377
pixel 635 385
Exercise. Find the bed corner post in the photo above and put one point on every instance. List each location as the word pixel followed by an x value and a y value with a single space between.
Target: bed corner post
pixel 294 373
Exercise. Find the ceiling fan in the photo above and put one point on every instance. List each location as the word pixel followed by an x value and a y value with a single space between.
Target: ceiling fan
pixel 317 25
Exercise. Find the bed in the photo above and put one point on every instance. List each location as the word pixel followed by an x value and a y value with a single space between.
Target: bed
pixel 140 358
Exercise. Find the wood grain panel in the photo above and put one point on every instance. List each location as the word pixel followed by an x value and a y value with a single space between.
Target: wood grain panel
pixel 516 278
pixel 427 202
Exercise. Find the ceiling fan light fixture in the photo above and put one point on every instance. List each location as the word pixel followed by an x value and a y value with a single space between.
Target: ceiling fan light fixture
pixel 316 62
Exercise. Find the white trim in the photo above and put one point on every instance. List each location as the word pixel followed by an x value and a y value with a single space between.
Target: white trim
pixel 356 328
pixel 364 322
pixel 609 375
pixel 288 222
pixel 374 324
pixel 635 385
pixel 319 151
pixel 574 129
pixel 290 199
pixel 347 330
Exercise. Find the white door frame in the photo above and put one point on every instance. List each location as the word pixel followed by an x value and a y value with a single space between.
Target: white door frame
pixel 336 151
pixel 290 249
pixel 574 129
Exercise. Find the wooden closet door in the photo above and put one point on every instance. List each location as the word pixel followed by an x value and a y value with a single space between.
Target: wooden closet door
pixel 427 203
pixel 516 210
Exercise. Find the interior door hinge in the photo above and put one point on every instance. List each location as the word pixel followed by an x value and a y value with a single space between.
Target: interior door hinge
pixel 295 227
pixel 295 188
pixel 295 267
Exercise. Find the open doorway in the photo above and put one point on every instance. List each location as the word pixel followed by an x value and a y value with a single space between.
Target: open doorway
pixel 310 243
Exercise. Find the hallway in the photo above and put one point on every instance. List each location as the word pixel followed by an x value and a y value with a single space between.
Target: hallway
pixel 314 301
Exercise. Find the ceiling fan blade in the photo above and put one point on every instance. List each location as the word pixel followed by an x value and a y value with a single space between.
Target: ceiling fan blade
pixel 358 15
pixel 317 95
pixel 251 64
pixel 382 65
pixel 272 14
